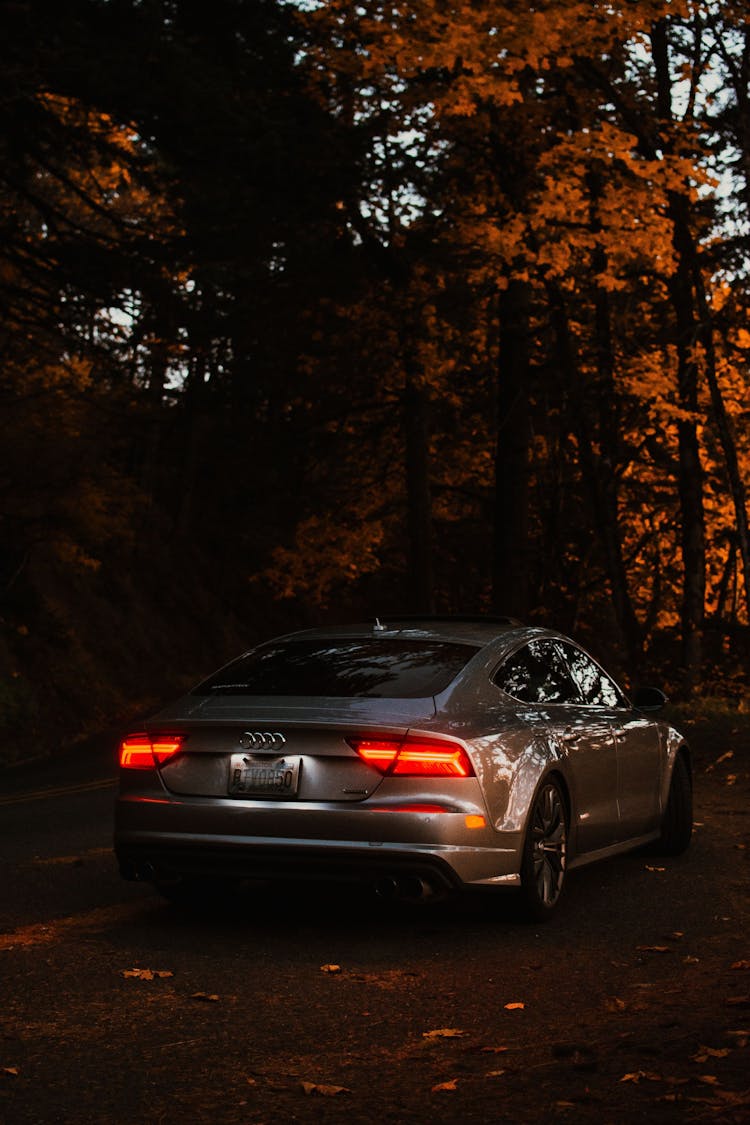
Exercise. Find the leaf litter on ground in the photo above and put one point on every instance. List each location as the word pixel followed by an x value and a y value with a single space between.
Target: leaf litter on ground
pixel 443 1033
pixel 324 1089
pixel 147 974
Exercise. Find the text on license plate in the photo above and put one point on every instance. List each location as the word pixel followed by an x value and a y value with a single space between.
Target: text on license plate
pixel 263 777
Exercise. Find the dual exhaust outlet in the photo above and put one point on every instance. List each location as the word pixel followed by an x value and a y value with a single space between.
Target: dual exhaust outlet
pixel 389 888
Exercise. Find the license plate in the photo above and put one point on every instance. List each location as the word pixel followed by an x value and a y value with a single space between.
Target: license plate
pixel 263 777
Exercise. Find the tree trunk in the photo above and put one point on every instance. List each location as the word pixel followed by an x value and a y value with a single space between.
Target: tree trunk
pixel 510 571
pixel 599 472
pixel 604 483
pixel 419 531
pixel 723 427
pixel 690 482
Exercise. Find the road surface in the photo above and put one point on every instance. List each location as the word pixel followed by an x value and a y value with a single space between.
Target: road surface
pixel 118 1008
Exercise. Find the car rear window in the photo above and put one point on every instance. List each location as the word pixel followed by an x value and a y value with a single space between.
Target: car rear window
pixel 388 668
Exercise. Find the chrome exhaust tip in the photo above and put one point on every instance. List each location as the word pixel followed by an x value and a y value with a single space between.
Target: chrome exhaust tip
pixel 387 889
pixel 415 889
pixel 404 888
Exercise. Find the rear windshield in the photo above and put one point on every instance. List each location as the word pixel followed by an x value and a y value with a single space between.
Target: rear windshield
pixel 392 669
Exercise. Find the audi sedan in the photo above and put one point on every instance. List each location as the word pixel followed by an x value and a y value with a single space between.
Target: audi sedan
pixel 419 756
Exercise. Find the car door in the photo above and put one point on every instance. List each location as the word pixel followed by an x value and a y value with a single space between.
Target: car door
pixel 636 739
pixel 538 676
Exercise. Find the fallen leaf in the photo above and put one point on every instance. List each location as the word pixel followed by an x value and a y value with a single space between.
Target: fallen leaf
pixel 649 867
pixel 653 948
pixel 691 960
pixel 741 1037
pixel 724 757
pixel 330 968
pixel 495 1073
pixel 741 965
pixel 517 1006
pixel 208 996
pixel 324 1090
pixel 637 1075
pixel 615 1004
pixel 738 1001
pixel 13 1071
pixel 252 1081
pixel 147 974
pixel 676 935
pixel 443 1033
pixel 565 1105
pixel 493 1050
pixel 705 1053
pixel 727 1096
pixel 444 1087
pixel 708 1079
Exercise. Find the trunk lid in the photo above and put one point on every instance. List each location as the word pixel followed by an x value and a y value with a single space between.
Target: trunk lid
pixel 262 751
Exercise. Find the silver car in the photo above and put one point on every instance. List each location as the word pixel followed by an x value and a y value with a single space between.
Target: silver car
pixel 421 756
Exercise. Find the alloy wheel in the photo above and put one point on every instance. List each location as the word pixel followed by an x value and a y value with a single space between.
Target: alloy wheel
pixel 548 844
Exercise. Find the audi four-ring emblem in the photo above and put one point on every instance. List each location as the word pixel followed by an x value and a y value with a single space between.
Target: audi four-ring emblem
pixel 262 740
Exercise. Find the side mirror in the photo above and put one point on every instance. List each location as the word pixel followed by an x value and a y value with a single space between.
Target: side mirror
pixel 649 699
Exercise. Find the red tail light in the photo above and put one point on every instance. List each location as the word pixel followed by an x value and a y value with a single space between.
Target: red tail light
pixel 414 757
pixel 145 751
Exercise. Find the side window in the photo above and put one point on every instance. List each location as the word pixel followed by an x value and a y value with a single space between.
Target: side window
pixel 597 689
pixel 537 673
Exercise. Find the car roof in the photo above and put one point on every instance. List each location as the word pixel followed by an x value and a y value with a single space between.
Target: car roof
pixel 479 631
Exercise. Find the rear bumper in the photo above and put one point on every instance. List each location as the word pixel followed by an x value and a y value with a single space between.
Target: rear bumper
pixel 160 840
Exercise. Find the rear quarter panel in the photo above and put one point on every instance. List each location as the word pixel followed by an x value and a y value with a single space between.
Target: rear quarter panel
pixel 510 743
pixel 511 751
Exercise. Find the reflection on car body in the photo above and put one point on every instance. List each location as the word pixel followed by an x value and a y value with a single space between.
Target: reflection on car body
pixel 421 756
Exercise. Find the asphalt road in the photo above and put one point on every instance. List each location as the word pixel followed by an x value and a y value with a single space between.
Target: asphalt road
pixel 115 1007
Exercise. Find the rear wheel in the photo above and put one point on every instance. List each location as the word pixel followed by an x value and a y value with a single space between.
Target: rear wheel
pixel 545 852
pixel 677 822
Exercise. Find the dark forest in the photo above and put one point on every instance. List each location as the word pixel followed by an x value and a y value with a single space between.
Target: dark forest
pixel 319 311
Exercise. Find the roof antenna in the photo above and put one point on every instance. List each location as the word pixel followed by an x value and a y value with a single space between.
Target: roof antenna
pixel 378 627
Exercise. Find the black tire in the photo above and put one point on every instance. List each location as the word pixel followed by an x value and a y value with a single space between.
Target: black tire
pixel 545 852
pixel 677 822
